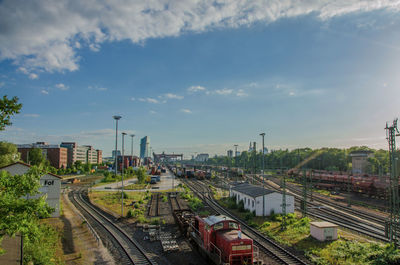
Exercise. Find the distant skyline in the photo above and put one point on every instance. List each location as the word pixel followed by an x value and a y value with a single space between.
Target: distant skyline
pixel 202 76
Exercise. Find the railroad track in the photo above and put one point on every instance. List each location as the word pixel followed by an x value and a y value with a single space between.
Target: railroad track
pixel 133 252
pixel 347 218
pixel 174 202
pixel 154 209
pixel 275 251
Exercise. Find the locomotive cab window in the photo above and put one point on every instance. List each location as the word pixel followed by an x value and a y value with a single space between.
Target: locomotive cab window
pixel 233 225
pixel 218 226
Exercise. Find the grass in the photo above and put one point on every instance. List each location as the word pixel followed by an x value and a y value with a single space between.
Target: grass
pixel 345 250
pixel 112 179
pixel 135 203
pixel 136 186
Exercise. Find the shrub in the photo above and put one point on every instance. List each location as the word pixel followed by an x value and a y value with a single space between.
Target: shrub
pixel 248 216
pixel 241 206
pixel 129 214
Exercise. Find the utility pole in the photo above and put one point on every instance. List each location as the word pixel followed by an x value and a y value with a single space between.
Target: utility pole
pixel 311 185
pixel 304 199
pixel 263 176
pixel 391 133
pixel 122 171
pixel 283 202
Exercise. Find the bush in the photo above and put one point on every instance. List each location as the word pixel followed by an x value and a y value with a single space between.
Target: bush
pixel 129 214
pixel 195 204
pixel 241 206
pixel 248 216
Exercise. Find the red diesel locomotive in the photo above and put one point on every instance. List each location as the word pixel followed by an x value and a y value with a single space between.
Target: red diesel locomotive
pixel 221 239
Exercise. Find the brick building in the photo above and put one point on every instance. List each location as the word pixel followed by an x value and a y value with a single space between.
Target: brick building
pixel 57 155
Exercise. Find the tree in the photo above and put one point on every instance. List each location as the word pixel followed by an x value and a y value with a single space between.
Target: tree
pixel 8 154
pixel 8 107
pixel 17 213
pixel 141 175
pixel 36 158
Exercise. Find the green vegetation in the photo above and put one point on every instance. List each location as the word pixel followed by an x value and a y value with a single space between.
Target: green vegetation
pixel 8 107
pixel 19 215
pixel 297 235
pixel 8 153
pixel 332 159
pixel 194 203
pixel 136 186
pixel 135 203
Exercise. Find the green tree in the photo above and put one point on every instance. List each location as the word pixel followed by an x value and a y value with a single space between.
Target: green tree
pixel 141 175
pixel 8 107
pixel 8 153
pixel 17 213
pixel 36 158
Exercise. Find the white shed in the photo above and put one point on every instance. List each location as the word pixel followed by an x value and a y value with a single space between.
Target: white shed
pixel 323 231
pixel 261 200
pixel 50 185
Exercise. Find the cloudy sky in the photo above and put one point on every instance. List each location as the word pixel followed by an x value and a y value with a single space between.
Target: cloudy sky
pixel 201 76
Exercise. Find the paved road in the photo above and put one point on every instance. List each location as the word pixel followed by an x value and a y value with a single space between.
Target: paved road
pixel 167 180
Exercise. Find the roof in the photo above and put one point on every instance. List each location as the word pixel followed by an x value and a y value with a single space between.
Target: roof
pixel 213 219
pixel 27 165
pixel 251 190
pixel 323 224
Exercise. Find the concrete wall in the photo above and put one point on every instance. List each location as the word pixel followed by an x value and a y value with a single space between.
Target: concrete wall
pixel 323 233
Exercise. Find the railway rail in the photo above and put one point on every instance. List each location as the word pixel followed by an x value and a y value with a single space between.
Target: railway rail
pixel 275 251
pixel 174 201
pixel 357 221
pixel 133 252
pixel 154 209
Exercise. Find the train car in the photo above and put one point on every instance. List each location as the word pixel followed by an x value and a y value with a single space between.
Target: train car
pixel 221 239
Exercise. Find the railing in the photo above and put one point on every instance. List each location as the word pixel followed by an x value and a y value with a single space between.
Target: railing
pixel 215 247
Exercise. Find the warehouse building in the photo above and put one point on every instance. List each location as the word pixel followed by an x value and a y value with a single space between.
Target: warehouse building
pixel 50 185
pixel 260 200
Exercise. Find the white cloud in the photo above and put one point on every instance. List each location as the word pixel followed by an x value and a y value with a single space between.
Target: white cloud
pixel 291 93
pixel 224 91
pixel 43 35
pixel 149 100
pixel 152 112
pixel 133 99
pixel 2 84
pixel 241 93
pixel 45 92
pixel 62 86
pixel 173 96
pixel 33 76
pixel 187 111
pixel 194 89
pixel 97 88
pixel 32 115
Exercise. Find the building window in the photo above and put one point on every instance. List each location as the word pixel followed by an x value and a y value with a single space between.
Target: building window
pixel 253 203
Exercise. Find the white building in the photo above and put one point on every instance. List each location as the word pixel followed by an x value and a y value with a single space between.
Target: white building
pixel 323 231
pixel 50 185
pixel 202 157
pixel 261 200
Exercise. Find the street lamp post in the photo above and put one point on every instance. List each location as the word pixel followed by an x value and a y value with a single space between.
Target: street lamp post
pixel 122 170
pixel 132 135
pixel 237 170
pixel 116 118
pixel 262 135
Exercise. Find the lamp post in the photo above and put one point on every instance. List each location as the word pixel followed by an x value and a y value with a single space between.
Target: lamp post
pixel 237 170
pixel 263 149
pixel 122 171
pixel 116 118
pixel 132 135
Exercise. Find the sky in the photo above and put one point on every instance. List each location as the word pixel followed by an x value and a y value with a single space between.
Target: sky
pixel 201 76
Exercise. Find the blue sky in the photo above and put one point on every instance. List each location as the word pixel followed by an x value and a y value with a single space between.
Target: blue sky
pixel 201 76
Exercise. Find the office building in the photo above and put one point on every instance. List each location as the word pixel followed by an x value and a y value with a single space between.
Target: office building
pixel 230 153
pixel 144 147
pixel 57 155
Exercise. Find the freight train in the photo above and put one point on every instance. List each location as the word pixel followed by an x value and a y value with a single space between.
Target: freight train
pixel 218 237
pixel 373 186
